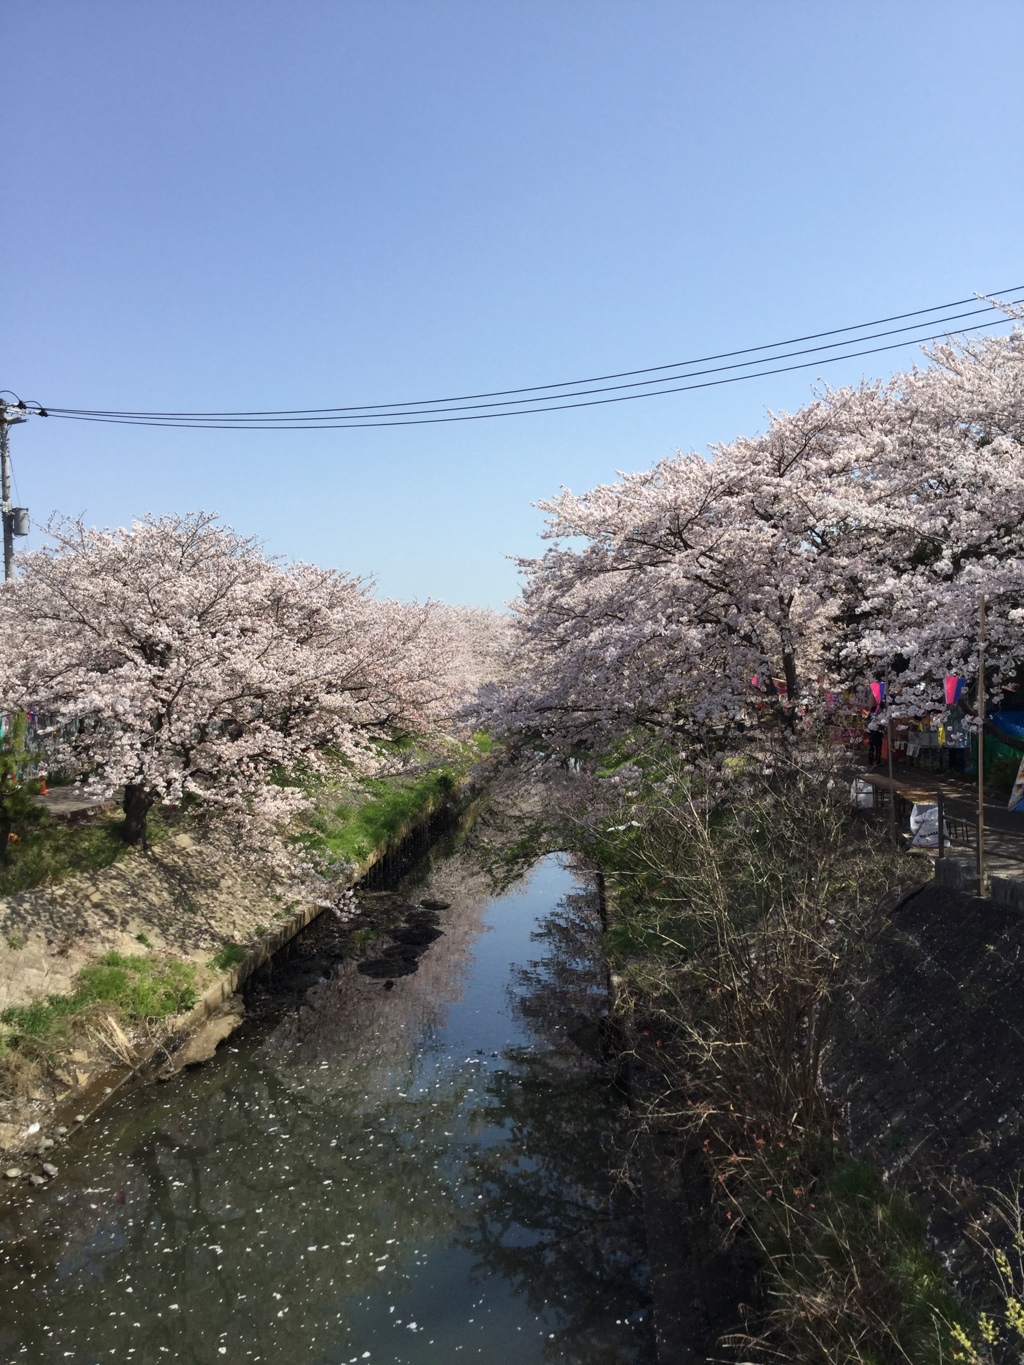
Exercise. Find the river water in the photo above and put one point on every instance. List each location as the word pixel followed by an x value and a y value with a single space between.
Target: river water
pixel 400 1172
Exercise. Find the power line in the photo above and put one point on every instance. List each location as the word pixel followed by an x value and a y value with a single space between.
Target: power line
pixel 541 389
pixel 348 417
pixel 465 415
pixel 542 398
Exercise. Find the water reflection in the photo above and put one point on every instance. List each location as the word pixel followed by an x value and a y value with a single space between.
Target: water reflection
pixel 403 1175
pixel 559 1218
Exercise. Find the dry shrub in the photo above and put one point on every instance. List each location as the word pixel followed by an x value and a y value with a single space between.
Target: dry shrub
pixel 19 1075
pixel 743 902
pixel 105 1032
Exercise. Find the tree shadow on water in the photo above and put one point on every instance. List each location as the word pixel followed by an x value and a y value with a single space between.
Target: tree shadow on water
pixel 557 1215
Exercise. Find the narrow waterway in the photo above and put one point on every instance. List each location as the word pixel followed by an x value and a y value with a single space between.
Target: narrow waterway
pixel 403 1171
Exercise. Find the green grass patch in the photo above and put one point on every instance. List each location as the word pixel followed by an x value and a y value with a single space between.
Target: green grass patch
pixel 348 830
pixel 227 957
pixel 352 820
pixel 853 1264
pixel 52 850
pixel 132 988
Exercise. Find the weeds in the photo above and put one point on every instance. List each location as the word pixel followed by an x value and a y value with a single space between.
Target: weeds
pixel 742 902
pixel 228 956
pixel 998 1335
pixel 117 988
pixel 848 1274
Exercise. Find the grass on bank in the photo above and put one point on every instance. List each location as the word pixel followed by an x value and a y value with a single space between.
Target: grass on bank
pixel 230 954
pixel 849 1275
pixel 125 989
pixel 51 850
pixel 348 826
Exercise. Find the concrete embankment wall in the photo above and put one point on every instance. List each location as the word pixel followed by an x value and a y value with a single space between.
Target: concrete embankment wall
pixel 927 1054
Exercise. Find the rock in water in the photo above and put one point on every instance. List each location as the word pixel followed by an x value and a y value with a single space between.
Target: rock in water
pixel 203 1044
pixel 417 935
pixel 381 967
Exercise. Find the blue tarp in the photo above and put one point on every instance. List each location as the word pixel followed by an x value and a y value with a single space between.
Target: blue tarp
pixel 1009 723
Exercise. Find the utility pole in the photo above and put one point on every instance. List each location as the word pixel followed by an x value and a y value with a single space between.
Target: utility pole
pixel 5 492
pixel 15 519
pixel 981 747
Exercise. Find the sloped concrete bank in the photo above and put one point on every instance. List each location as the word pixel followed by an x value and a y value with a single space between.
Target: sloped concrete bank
pixel 182 898
pixel 927 1058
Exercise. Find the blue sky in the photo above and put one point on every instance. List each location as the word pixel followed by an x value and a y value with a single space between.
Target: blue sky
pixel 238 204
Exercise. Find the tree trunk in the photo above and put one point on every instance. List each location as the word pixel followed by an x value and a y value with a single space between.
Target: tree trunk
pixel 789 672
pixel 136 808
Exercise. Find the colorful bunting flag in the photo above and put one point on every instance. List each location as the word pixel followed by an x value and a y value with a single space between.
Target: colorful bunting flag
pixel 954 686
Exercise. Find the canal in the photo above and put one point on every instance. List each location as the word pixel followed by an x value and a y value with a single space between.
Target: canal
pixel 412 1159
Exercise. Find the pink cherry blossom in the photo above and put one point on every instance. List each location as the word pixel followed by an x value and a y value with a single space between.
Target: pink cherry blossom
pixel 178 661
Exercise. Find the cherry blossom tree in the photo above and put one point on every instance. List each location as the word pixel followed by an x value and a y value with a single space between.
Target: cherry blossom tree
pixel 951 441
pixel 180 661
pixel 694 578
pixel 475 644
pixel 853 537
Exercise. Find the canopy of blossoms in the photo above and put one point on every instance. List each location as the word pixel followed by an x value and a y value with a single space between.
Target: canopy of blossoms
pixel 178 660
pixel 852 540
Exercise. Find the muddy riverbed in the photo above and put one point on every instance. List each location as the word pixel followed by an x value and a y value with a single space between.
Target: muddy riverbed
pixel 400 1164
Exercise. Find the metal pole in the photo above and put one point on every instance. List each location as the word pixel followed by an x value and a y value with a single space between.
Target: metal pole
pixel 981 748
pixel 888 741
pixel 5 492
pixel 942 827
